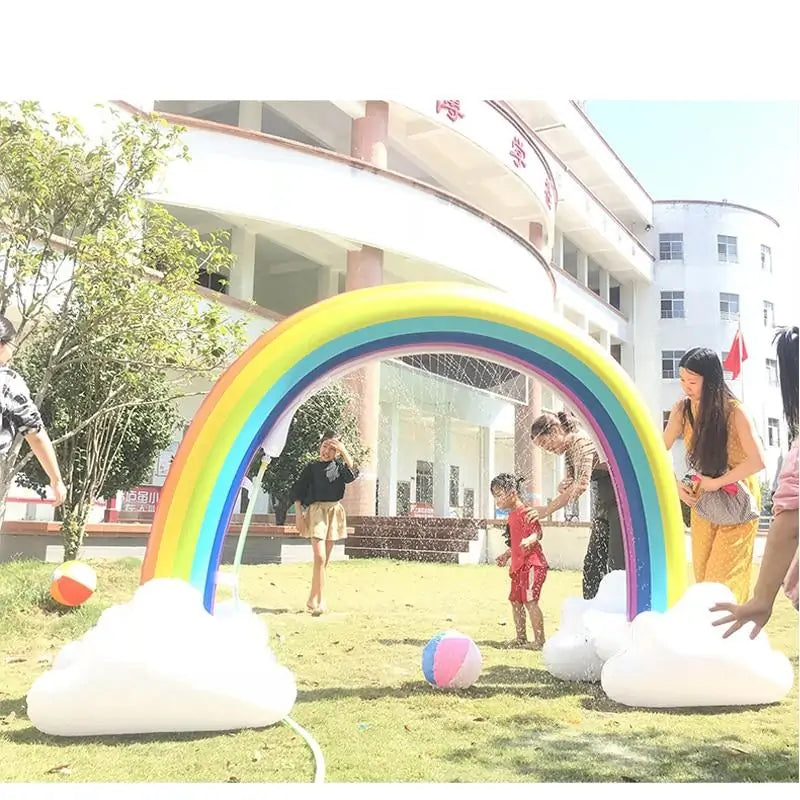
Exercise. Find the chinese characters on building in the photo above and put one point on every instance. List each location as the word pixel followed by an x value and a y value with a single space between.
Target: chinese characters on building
pixel 451 107
pixel 518 154
pixel 548 193
pixel 142 498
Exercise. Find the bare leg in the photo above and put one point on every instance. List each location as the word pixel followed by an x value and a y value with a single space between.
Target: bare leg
pixel 317 574
pixel 328 547
pixel 537 623
pixel 518 611
pixel 328 550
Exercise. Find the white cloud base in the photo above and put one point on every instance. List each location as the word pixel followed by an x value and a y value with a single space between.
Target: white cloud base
pixel 673 660
pixel 161 663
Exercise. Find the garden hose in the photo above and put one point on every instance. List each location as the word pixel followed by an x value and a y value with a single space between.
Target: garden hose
pixel 319 760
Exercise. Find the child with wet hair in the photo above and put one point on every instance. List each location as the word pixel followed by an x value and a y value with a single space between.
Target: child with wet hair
pixel 528 567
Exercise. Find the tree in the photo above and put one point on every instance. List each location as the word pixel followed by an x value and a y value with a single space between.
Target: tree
pixel 102 284
pixel 329 408
pixel 115 452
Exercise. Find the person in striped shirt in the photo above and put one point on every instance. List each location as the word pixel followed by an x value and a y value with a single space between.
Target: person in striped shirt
pixel 19 415
pixel 562 434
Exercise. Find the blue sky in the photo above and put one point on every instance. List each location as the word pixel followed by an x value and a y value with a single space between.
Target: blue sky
pixel 745 152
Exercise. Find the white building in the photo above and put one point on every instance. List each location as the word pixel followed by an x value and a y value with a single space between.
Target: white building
pixel 716 271
pixel 325 196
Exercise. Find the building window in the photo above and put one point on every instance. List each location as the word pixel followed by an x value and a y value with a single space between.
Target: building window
pixel 727 249
pixel 766 258
pixel 665 418
pixel 672 305
pixel 769 314
pixel 773 432
pixel 728 306
pixel 616 353
pixel 669 362
pixel 211 280
pixel 772 372
pixel 424 488
pixel 670 246
pixel 454 481
pixel 469 504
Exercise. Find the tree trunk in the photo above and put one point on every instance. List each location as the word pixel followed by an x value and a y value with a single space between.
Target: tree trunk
pixel 281 506
pixel 73 527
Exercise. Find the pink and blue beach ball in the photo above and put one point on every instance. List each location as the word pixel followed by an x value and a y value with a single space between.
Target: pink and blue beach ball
pixel 451 660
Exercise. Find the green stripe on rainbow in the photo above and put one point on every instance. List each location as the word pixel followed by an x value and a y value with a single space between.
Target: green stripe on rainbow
pixel 255 397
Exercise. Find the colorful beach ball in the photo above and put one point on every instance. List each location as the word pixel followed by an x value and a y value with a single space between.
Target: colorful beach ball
pixel 73 583
pixel 451 660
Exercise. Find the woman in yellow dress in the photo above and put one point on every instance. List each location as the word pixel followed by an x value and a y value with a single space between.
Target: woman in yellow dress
pixel 722 447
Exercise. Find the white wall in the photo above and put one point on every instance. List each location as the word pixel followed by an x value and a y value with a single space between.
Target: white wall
pixel 235 176
pixel 702 277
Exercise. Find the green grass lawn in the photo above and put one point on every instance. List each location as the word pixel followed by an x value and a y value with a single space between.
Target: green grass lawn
pixel 361 693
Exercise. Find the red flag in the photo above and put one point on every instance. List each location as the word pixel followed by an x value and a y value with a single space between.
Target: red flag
pixel 736 355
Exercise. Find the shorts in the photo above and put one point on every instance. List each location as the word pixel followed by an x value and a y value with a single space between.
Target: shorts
pixel 326 521
pixel 526 583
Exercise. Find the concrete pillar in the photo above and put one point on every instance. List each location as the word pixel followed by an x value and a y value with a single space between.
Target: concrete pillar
pixel 527 458
pixel 536 235
pixel 369 134
pixel 368 142
pixel 583 268
pixel 604 285
pixel 488 471
pixel 558 249
pixel 605 340
pixel 327 282
pixel 250 115
pixel 243 246
pixel 388 447
pixel 364 268
pixel 535 401
pixel 441 468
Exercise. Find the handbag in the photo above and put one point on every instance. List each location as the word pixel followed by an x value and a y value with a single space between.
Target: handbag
pixel 733 504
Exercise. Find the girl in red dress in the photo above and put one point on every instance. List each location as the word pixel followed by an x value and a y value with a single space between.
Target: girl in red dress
pixel 528 568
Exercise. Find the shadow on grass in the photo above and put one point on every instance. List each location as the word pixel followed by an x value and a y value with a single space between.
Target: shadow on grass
pixel 601 702
pixel 563 754
pixel 31 735
pixel 498 680
pixel 496 644
pixel 9 705
pixel 46 603
pixel 262 610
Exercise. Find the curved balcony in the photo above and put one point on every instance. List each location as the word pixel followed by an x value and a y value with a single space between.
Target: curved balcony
pixel 515 177
pixel 586 219
pixel 247 177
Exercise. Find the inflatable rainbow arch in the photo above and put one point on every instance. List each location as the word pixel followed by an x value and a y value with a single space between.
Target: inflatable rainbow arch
pixel 255 399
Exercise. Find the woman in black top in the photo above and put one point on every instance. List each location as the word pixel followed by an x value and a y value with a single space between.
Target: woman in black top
pixel 319 489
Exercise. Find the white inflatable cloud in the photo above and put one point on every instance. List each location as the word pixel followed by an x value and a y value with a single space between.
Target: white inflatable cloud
pixel 590 630
pixel 162 663
pixel 679 659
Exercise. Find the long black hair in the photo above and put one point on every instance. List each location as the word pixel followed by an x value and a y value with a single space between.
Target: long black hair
pixel 785 341
pixel 708 454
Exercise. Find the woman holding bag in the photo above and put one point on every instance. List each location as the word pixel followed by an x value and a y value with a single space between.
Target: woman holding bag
pixel 723 450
